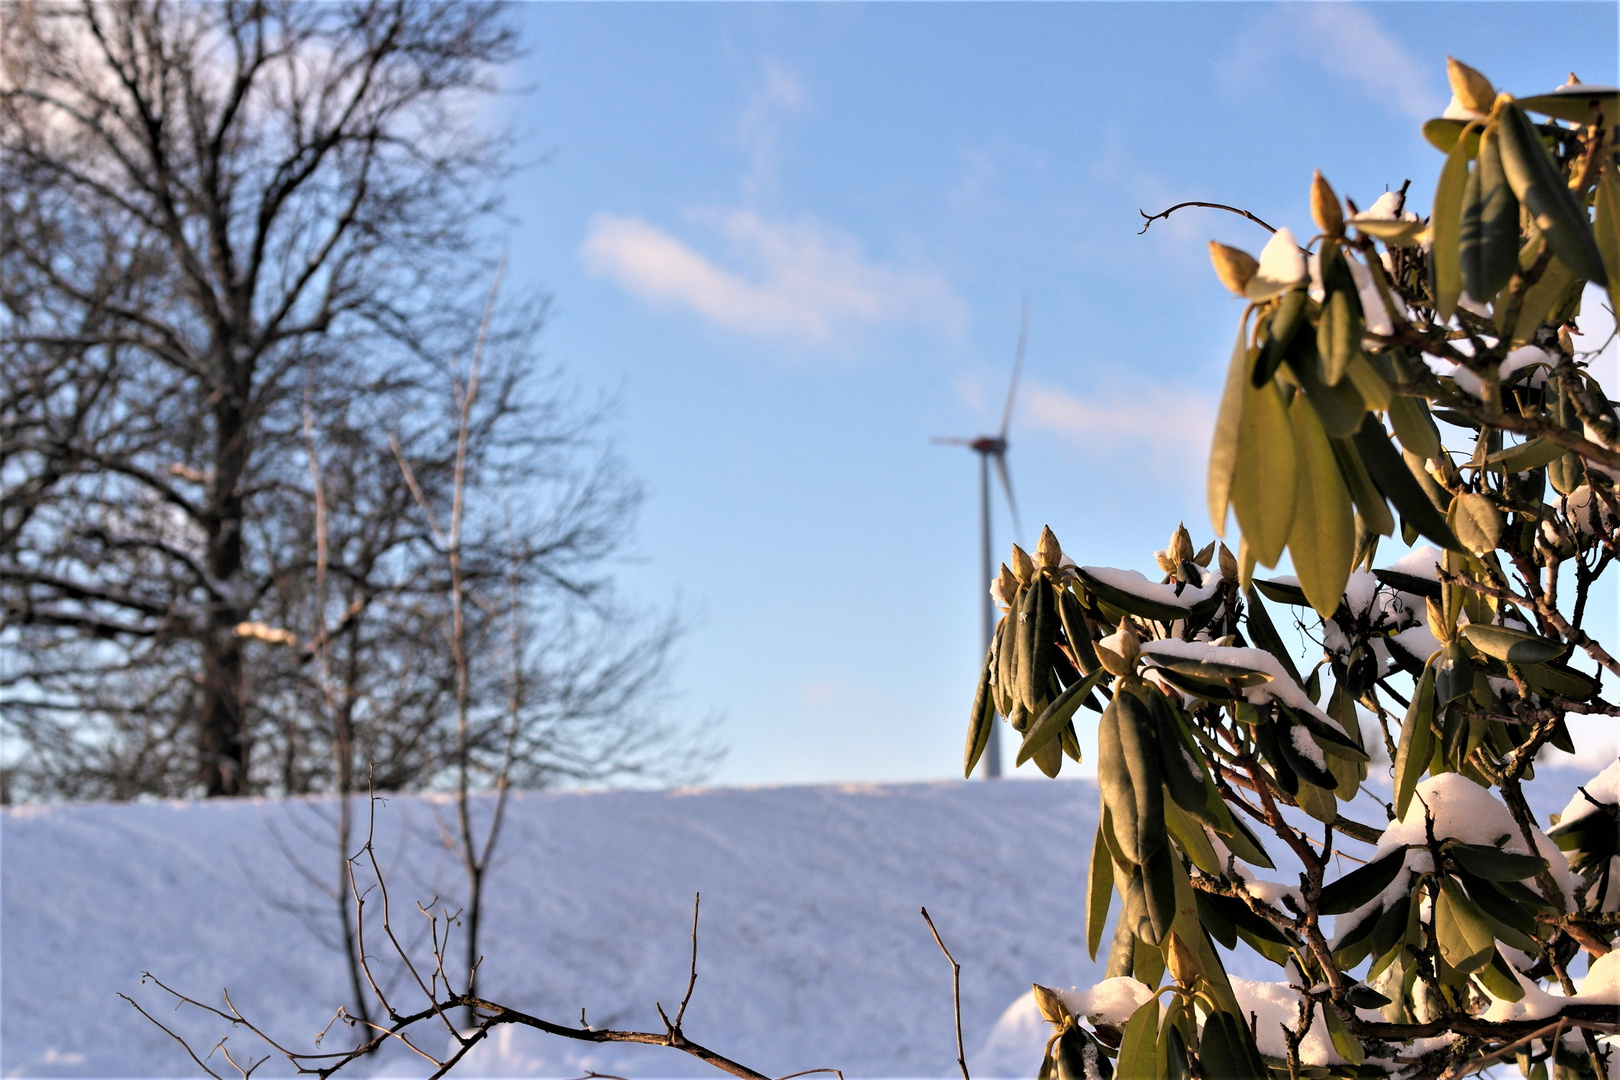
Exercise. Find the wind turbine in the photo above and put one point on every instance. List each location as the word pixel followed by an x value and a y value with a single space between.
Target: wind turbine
pixel 993 449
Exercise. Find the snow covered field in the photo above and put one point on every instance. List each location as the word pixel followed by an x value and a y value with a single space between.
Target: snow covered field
pixel 811 949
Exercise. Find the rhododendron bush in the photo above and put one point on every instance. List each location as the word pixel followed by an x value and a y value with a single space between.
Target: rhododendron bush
pixel 1409 377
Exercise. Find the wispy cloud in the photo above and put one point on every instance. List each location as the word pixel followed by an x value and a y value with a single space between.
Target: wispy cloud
pixel 780 94
pixel 1347 40
pixel 1169 426
pixel 799 280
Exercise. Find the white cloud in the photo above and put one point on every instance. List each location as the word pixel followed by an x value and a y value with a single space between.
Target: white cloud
pixel 1168 425
pixel 781 93
pixel 1345 39
pixel 791 280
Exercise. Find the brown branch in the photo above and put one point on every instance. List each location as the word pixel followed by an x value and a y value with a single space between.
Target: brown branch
pixel 691 978
pixel 1151 218
pixel 956 993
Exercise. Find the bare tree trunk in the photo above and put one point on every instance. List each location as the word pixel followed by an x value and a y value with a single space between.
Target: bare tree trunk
pixel 222 737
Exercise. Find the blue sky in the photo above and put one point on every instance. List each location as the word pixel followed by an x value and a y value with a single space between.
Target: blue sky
pixel 792 240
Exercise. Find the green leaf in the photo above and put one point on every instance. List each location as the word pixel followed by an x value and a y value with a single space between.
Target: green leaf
pixel 1323 538
pixel 1114 780
pixel 1488 240
pixel 1143 607
pixel 1339 406
pixel 1050 724
pixel 1394 478
pixel 1368 499
pixel 1265 477
pixel 1607 227
pixel 1498 978
pixel 1362 884
pixel 1363 996
pixel 1494 864
pixel 1099 890
pixel 1513 646
pixel 1172 1055
pixel 1224 450
pixel 1547 295
pixel 1511 923
pixel 1476 521
pixel 1226 1049
pixel 1574 101
pixel 1446 227
pixel 981 721
pixel 1453 675
pixel 1340 327
pixel 1526 456
pixel 1348 1046
pixel 1539 184
pixel 1215 921
pixel 1242 842
pixel 1286 319
pixel 1138 1047
pixel 1192 838
pixel 1417 741
pixel 1413 425
pixel 1444 134
pixel 1462 930
pixel 1560 679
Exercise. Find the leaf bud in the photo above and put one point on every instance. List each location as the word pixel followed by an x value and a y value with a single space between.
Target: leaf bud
pixel 1471 89
pixel 1439 625
pixel 1233 266
pixel 1112 662
pixel 1049 551
pixel 1125 643
pixel 1325 208
pixel 1183 965
pixel 1229 566
pixel 1166 563
pixel 1009 586
pixel 1053 1010
pixel 1181 545
pixel 1022 565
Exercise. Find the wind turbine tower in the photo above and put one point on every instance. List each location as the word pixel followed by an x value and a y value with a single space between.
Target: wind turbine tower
pixel 992 449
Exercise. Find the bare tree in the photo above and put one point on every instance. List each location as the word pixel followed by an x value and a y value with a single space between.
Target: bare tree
pixel 415 1023
pixel 243 246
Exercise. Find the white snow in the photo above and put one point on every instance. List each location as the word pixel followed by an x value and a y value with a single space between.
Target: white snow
pixel 1515 361
pixel 811 950
pixel 1275 1006
pixel 1377 316
pixel 1463 810
pixel 1601 986
pixel 1306 746
pixel 1134 583
pixel 1420 562
pixel 1270 892
pixel 1281 687
pixel 1111 1001
pixel 1604 787
pixel 1281 266
pixel 1585 511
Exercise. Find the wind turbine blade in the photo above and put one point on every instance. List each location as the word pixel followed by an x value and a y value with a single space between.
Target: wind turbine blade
pixel 1018 367
pixel 946 441
pixel 1006 486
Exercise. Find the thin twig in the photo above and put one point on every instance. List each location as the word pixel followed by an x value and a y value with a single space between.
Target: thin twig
pixel 173 1036
pixel 956 993
pixel 691 978
pixel 1209 205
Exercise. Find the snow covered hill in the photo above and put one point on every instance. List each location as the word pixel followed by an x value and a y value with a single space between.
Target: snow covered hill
pixel 812 952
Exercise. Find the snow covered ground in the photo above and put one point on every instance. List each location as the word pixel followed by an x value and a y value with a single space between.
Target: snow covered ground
pixel 812 952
